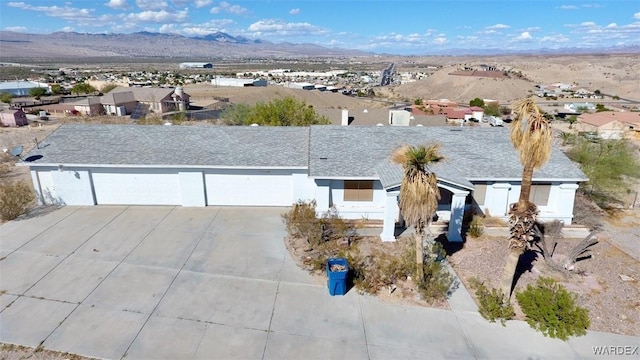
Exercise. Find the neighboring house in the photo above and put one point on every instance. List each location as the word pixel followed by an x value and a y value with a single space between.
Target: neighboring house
pixel 458 115
pixel 610 124
pixel 477 112
pixel 580 107
pixel 378 116
pixel 13 117
pixel 21 88
pixel 121 102
pixel 233 82
pixel 90 106
pixel 158 100
pixel 344 167
pixel 196 65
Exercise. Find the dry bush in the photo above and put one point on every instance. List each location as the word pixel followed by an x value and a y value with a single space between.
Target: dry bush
pixel 16 198
pixel 490 220
pixel 586 212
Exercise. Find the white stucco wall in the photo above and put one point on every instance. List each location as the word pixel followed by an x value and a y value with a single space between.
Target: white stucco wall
pixel 64 186
pixel 559 205
pixel 331 193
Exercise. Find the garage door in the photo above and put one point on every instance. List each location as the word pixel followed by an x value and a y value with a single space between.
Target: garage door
pixel 261 189
pixel 136 188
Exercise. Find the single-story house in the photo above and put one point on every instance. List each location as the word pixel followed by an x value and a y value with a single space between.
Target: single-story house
pixel 13 117
pixel 158 100
pixel 610 124
pixel 90 106
pixel 344 167
pixel 580 107
pixel 119 102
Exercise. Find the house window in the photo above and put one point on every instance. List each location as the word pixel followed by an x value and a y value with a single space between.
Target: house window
pixel 480 193
pixel 358 190
pixel 539 194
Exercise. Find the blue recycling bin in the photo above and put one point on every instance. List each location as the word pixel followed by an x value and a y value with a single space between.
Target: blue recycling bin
pixel 337 271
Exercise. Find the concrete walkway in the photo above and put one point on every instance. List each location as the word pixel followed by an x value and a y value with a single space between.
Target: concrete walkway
pixel 217 283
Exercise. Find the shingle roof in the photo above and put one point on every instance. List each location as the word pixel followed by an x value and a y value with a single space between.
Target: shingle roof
pixel 152 94
pixel 473 154
pixel 175 146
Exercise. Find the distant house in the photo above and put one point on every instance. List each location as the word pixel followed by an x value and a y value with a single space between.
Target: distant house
pixel 382 117
pixel 477 112
pixel 21 88
pixel 13 117
pixel 458 114
pixel 300 85
pixel 580 107
pixel 119 103
pixel 196 65
pixel 90 106
pixel 158 100
pixel 233 82
pixel 610 124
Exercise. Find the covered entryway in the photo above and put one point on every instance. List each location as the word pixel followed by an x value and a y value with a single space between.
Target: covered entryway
pixel 136 187
pixel 249 188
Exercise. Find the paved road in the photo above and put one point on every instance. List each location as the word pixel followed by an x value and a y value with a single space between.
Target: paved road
pixel 217 283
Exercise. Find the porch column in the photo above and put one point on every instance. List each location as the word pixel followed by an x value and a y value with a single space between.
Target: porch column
pixel 323 196
pixel 565 199
pixel 454 233
pixel 391 212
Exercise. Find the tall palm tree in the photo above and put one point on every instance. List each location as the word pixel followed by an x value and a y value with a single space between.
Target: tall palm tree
pixel 531 135
pixel 419 193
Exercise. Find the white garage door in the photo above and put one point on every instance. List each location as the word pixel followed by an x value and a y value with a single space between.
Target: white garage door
pixel 262 189
pixel 136 188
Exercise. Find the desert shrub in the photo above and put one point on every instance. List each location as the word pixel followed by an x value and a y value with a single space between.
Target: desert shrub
pixel 587 213
pixel 437 279
pixel 492 303
pixel 382 268
pixel 301 222
pixel 552 310
pixel 16 198
pixel 476 227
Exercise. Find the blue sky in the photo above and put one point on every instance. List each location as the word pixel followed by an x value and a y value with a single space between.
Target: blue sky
pixel 391 26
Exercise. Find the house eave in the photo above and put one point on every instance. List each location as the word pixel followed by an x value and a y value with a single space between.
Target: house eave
pixel 535 179
pixel 144 166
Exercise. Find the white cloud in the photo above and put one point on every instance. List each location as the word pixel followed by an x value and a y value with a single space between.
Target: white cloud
pixel 524 36
pixel 20 29
pixel 202 29
pixel 271 26
pixel 440 40
pixel 67 29
pixel 636 16
pixel 117 4
pixel 498 26
pixel 588 23
pixel 202 3
pixel 568 7
pixel 162 16
pixel 226 7
pixel 152 4
pixel 294 11
pixel 557 38
pixel 612 25
pixel 66 12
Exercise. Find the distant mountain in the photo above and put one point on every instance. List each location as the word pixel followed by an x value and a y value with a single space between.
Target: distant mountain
pixel 147 44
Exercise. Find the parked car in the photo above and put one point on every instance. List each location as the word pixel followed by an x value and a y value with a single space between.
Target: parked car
pixel 495 121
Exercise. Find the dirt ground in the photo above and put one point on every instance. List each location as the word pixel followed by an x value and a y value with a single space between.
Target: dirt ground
pixel 613 303
pixel 15 352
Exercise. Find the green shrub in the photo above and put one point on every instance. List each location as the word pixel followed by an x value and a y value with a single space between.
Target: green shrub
pixel 492 303
pixel 16 198
pixel 551 309
pixel 437 279
pixel 476 227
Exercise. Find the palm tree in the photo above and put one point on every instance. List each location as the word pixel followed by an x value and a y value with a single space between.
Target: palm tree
pixel 419 193
pixel 531 135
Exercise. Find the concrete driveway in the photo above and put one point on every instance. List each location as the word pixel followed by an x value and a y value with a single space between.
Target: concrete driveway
pixel 217 283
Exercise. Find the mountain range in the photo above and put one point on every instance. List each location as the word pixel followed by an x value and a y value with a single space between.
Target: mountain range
pixel 149 45
pixel 216 45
